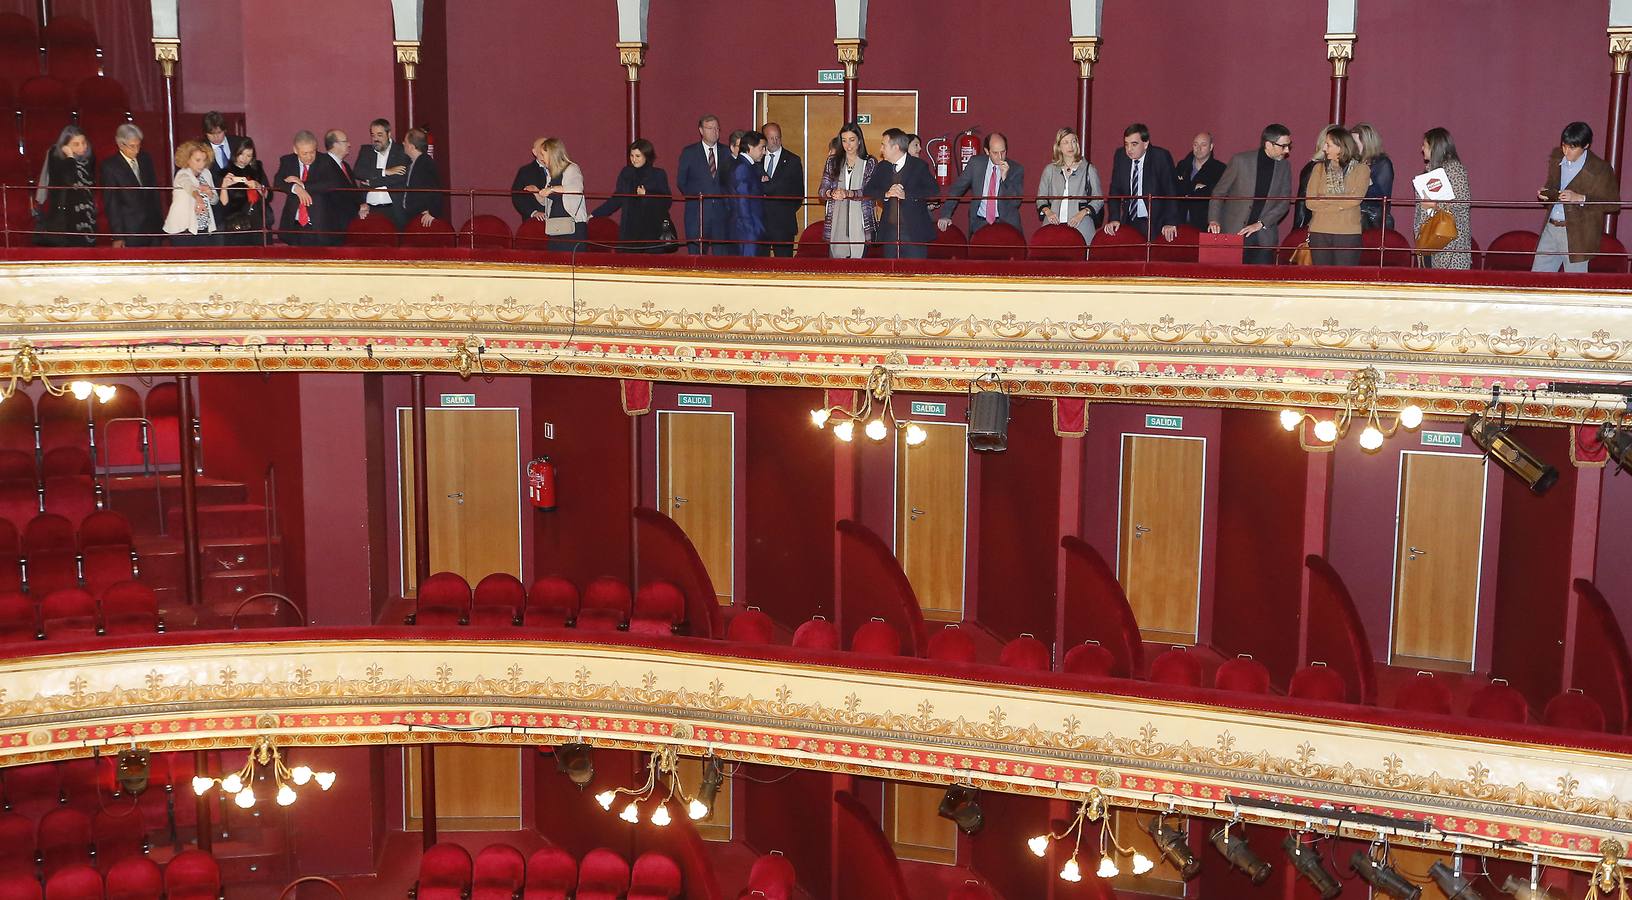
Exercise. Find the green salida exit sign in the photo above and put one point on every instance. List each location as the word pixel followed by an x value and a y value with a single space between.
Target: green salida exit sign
pixel 696 401
pixel 1165 423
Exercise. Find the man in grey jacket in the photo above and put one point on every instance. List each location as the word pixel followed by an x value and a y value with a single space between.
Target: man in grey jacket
pixel 997 184
pixel 1251 198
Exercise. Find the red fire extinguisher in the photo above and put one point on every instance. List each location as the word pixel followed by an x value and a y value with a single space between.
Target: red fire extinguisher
pixel 968 146
pixel 939 151
pixel 541 483
pixel 430 141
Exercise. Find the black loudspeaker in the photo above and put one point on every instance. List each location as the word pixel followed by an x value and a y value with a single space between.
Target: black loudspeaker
pixel 988 421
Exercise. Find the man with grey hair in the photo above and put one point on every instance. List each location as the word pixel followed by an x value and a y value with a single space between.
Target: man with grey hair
pixel 303 182
pixel 131 202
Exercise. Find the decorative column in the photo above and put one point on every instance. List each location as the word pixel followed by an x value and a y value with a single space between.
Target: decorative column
pixel 408 58
pixel 632 56
pixel 850 52
pixel 1085 52
pixel 422 494
pixel 1340 51
pixel 1620 53
pixel 194 572
pixel 168 52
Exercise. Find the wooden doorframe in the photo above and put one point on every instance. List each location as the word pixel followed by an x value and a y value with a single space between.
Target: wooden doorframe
pixel 405 549
pixel 663 479
pixel 895 505
pixel 1479 570
pixel 759 93
pixel 410 767
pixel 1201 512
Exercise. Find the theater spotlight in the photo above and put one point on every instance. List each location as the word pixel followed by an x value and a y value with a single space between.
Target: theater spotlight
pixel 1617 441
pixel 988 418
pixel 576 762
pixel 708 789
pixel 1383 878
pixel 1525 890
pixel 1306 859
pixel 132 771
pixel 1175 848
pixel 1454 886
pixel 1234 847
pixel 1494 438
pixel 962 806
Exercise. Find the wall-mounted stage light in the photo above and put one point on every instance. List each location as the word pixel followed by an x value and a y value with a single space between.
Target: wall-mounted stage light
pixel 961 805
pixel 1617 441
pixel 1454 886
pixel 1493 436
pixel 1380 876
pixel 1235 848
pixel 1306 859
pixel 132 771
pixel 577 762
pixel 1174 847
pixel 988 417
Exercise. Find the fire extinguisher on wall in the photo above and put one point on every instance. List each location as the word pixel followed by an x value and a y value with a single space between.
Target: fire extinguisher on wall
pixel 430 141
pixel 541 484
pixel 968 144
pixel 939 151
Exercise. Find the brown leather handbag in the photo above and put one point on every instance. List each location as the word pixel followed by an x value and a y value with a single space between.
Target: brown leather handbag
pixel 1302 256
pixel 1437 232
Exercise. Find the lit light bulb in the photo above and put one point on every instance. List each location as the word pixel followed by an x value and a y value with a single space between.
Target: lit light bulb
pixel 1141 863
pixel 1326 431
pixel 630 814
pixel 202 783
pixel 301 774
pixel 845 430
pixel 104 393
pixel 1411 417
pixel 1107 867
pixel 660 816
pixel 232 784
pixel 1370 438
pixel 1291 419
pixel 81 389
pixel 245 798
pixel 876 429
pixel 605 798
pixel 697 810
pixel 325 780
pixel 1039 845
pixel 1071 871
pixel 818 417
pixel 286 795
pixel 916 435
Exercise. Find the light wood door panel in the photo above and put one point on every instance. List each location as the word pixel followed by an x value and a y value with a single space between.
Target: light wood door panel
pixel 810 120
pixel 477 788
pixel 1159 545
pixel 1437 556
pixel 473 477
pixel 913 823
pixel 931 513
pixel 695 475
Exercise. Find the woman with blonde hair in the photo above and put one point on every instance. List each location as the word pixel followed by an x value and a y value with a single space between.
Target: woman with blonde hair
pixel 191 222
pixel 1336 188
pixel 563 194
pixel 1300 215
pixel 1068 183
pixel 1373 213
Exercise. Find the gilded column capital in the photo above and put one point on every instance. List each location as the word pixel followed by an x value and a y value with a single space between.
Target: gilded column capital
pixel 168 52
pixel 1620 49
pixel 1340 50
pixel 1085 52
pixel 632 56
pixel 407 56
pixel 850 53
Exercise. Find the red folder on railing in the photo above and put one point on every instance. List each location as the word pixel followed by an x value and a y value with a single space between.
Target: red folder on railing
pixel 1219 249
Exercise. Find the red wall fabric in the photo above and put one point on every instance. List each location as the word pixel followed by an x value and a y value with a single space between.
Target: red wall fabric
pixel 864 863
pixel 569 817
pixel 784 810
pixel 999 852
pixel 1018 511
pixel 664 553
pixel 1614 565
pixel 789 543
pixel 589 532
pixel 871 584
pixel 1533 572
pixel 345 582
pixel 338 832
pixel 212 70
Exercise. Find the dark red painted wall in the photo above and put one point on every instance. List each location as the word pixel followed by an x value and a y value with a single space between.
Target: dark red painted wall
pixel 1614 564
pixel 787 810
pixel 588 534
pixel 789 543
pixel 1017 510
pixel 1533 574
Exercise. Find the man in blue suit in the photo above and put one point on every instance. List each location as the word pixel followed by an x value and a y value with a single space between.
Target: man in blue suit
pixel 905 186
pixel 748 202
pixel 701 168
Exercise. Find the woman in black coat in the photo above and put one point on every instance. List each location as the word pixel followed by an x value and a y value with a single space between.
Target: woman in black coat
pixel 642 193
pixel 246 214
pixel 69 219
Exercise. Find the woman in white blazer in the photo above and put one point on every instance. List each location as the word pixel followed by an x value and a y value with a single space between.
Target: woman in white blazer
pixel 568 221
pixel 1065 182
pixel 191 222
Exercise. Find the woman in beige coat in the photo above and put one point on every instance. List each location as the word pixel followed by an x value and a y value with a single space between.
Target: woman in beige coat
pixel 1336 187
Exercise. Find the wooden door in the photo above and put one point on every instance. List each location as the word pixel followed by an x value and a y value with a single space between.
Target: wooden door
pixel 1438 541
pixel 811 119
pixel 913 823
pixel 473 473
pixel 477 788
pixel 931 509
pixel 695 478
pixel 1159 535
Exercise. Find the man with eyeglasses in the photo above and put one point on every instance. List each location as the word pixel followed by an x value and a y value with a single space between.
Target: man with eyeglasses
pixel 1252 197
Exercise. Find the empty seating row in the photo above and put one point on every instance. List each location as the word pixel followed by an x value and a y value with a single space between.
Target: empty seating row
pixel 480 232
pixel 50 555
pixel 66 47
pixel 89 786
pixel 68 837
pixel 125 608
pixel 63 486
pixel 446 872
pixel 190 875
pixel 130 431
pixel 500 599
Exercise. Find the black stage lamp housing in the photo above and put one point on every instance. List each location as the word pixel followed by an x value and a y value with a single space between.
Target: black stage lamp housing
pixel 1306 859
pixel 962 805
pixel 1498 444
pixel 713 777
pixel 132 770
pixel 1174 847
pixel 577 762
pixel 1453 885
pixel 1617 441
pixel 1383 878
pixel 1235 848
pixel 988 421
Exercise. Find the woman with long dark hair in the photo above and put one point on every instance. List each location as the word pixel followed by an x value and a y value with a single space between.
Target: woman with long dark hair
pixel 1439 152
pixel 642 194
pixel 244 215
pixel 66 179
pixel 848 223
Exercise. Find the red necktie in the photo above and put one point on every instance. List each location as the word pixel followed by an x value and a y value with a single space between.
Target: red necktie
pixel 303 216
pixel 988 206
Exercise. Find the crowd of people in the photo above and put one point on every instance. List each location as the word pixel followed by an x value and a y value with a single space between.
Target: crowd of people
pixel 742 196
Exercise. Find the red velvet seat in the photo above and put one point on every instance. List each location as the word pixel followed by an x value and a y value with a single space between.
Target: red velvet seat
pixel 1184 248
pixel 16 842
pixel 876 637
pixel 601 233
pixel 484 232
pixel 32 791
pixel 1424 694
pixel 121 432
pixel 194 875
pixel 19 886
pixel 999 240
pixel 498 874
pixel 107 556
pixel 811 244
pixel 1057 242
pixel 1512 251
pixel 660 608
pixel 605 606
pixel 1127 245
pixel 498 601
pixel 772 876
pixel 74 883
pixel 1178 666
pixel 17 424
pixel 134 878
pixel 1243 674
pixel 374 231
pixel 1387 248
pixel 952 644
pixel 69 613
pixel 655 877
pixel 163 408
pixel 63 461
pixel 130 607
pixel 551 874
pixel 444 873
pixel 19 47
pixel 751 626
pixel 445 593
pixel 1089 658
pixel 19 621
pixel 11 557
pixel 103 106
pixel 64 422
pixel 18 465
pixel 88 783
pixel 46 106
pixel 120 834
pixel 817 634
pixel 1574 709
pixel 552 602
pixel 64 838
pixel 1611 258
pixel 949 244
pixel 531 234
pixel 1499 701
pixel 603 875
pixel 438 235
pixel 1026 652
pixel 71 496
pixel 71 52
pixel 48 549
pixel 19 500
pixel 1317 681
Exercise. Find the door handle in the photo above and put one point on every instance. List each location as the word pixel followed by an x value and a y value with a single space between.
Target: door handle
pixel 916 512
pixel 679 502
pixel 1416 552
pixel 459 496
pixel 1140 531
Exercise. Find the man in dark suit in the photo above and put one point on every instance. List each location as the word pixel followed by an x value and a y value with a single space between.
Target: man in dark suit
pixel 784 177
pixel 748 202
pixel 383 168
pixel 701 168
pixel 133 212
pixel 1197 174
pixel 336 181
pixel 301 181
pixel 223 147
pixel 1142 186
pixel 420 181
pixel 999 183
pixel 732 155
pixel 904 185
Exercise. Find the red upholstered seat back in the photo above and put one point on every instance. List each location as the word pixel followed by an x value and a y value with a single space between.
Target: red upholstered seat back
pixel 1573 709
pixel 485 232
pixel 606 604
pixel 950 244
pixel 773 876
pixel 135 878
pixel 48 533
pixel 1177 666
pixel 500 590
pixel 74 883
pixel 602 873
pixel 66 461
pixel 1184 248
pixel 952 644
pixel 1335 633
pixel 374 231
pixel 655 877
pixel 1096 607
pixel 602 234
pixel 1512 251
pixel 498 873
pixel 64 839
pixel 1499 701
pixel 18 464
pixel 104 528
pixel 1057 242
pixel 552 600
pixel 438 234
pixel 68 612
pixel 551 874
pixel 999 240
pixel 532 234
pixel 1025 652
pixel 1598 639
pixel 1127 245
pixel 16 841
pixel 445 590
pixel 1389 246
pixel 1424 694
pixel 817 634
pixel 18 621
pixel 1243 674
pixel 1088 658
pixel 811 244
pixel 32 791
pixel 17 427
pixel 877 637
pixel 192 875
pixel 445 867
pixel 119 833
pixel 19 886
pixel 1611 259
pixel 88 784
pixel 751 626
pixel 659 606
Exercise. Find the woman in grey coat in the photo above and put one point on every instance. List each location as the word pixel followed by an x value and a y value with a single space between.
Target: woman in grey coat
pixel 1066 182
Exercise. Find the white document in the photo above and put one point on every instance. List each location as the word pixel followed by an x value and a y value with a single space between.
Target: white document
pixel 1434 185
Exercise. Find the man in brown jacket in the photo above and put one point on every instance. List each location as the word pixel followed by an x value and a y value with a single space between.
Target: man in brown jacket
pixel 1576 177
